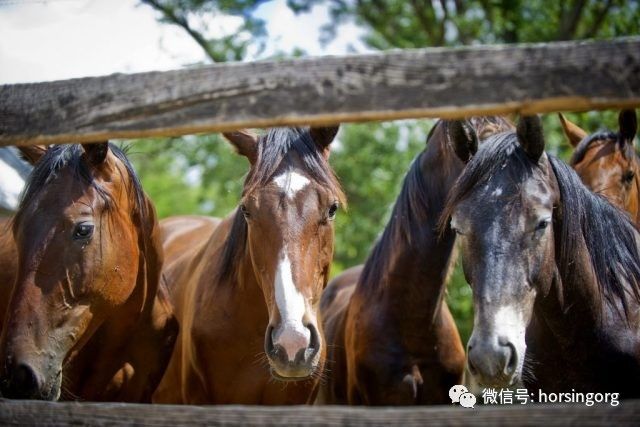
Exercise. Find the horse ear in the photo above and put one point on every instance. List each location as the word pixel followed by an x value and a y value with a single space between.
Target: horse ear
pixel 530 136
pixel 573 132
pixel 245 143
pixel 96 152
pixel 32 153
pixel 324 136
pixel 464 139
pixel 628 123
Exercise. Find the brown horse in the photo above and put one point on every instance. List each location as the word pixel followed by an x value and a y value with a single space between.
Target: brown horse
pixel 607 162
pixel 391 337
pixel 554 269
pixel 87 318
pixel 246 291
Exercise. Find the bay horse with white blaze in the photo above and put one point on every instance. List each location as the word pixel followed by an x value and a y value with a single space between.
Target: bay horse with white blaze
pixel 87 318
pixel 246 293
pixel 391 338
pixel 607 161
pixel 554 269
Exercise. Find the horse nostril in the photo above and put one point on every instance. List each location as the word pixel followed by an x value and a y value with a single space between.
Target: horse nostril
pixel 314 341
pixel 21 382
pixel 512 359
pixel 268 340
pixel 25 377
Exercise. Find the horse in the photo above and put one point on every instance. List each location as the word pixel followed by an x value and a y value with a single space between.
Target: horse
pixel 607 161
pixel 88 317
pixel 246 290
pixel 392 339
pixel 554 270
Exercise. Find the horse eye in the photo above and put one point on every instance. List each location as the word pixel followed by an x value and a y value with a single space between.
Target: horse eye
pixel 83 231
pixel 542 224
pixel 332 210
pixel 244 211
pixel 628 176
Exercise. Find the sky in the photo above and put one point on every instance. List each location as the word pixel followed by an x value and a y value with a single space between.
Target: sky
pixel 43 40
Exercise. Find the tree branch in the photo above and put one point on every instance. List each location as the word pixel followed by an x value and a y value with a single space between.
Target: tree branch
pixel 569 22
pixel 182 22
pixel 421 14
pixel 597 23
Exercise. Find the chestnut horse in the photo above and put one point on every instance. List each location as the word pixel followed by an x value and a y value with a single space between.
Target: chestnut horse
pixel 391 338
pixel 554 270
pixel 246 291
pixel 607 162
pixel 87 318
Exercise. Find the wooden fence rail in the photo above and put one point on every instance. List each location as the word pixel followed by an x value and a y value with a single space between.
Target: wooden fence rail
pixel 51 414
pixel 393 85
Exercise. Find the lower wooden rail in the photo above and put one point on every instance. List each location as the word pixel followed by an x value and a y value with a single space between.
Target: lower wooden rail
pixel 14 413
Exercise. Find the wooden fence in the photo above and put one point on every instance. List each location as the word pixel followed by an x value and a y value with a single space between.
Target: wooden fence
pixel 392 85
pixel 51 414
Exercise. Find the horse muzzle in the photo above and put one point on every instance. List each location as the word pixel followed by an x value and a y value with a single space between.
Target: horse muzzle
pixel 293 354
pixel 22 381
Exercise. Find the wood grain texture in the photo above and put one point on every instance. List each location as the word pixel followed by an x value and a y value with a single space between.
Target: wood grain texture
pixel 53 414
pixel 392 85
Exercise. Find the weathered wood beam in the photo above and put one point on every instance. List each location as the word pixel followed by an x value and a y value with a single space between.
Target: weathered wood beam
pixel 47 413
pixel 392 85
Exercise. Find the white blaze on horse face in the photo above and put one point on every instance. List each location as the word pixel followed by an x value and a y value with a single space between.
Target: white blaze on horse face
pixel 292 335
pixel 291 182
pixel 510 323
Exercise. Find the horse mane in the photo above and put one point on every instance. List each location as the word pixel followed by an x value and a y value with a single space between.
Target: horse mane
pixel 608 233
pixel 278 146
pixel 417 201
pixel 605 136
pixel 70 156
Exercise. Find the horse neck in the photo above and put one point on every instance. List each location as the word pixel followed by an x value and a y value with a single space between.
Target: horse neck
pixel 575 309
pixel 241 287
pixel 416 273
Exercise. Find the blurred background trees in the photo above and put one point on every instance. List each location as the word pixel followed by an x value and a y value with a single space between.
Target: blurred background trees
pixel 202 175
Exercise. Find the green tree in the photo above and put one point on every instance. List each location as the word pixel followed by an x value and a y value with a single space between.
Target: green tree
pixel 423 23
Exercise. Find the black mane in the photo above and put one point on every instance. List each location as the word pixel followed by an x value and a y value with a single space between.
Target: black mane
pixel 277 146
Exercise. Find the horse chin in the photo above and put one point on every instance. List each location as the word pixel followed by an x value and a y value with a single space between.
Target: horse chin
pixel 56 388
pixel 52 389
pixel 290 378
pixel 292 372
pixel 512 382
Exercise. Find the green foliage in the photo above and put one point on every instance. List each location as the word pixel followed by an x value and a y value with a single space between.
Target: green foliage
pixel 405 24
